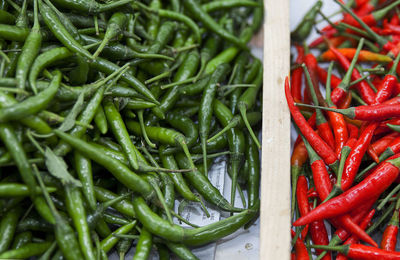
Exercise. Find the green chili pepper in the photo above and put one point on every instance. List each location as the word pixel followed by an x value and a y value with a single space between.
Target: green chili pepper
pixel 305 26
pixel 235 140
pixel 26 251
pixel 8 225
pixel 119 170
pixel 60 32
pixel 90 6
pixel 119 130
pixel 29 52
pixel 193 237
pixel 31 105
pixel 115 26
pixel 109 242
pixel 21 239
pixel 199 14
pixel 77 212
pixel 144 245
pixel 205 112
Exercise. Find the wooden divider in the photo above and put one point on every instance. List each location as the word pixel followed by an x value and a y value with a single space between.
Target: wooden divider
pixel 275 168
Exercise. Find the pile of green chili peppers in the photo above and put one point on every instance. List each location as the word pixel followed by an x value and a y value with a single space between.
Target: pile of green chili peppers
pixel 113 111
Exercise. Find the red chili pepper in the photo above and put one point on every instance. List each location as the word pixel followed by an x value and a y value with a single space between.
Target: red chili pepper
pixel 357 215
pixel 346 102
pixel 359 3
pixel 395 20
pixel 372 18
pixel 366 113
pixel 350 52
pixel 302 200
pixel 312 123
pixel 320 174
pixel 319 235
pixel 367 94
pixel 312 65
pixel 389 237
pixel 388 85
pixel 324 129
pixel 323 187
pixel 337 121
pixel 312 194
pixel 384 129
pixel 353 130
pixel 394 29
pixel 323 76
pixel 354 160
pixel 359 251
pixel 364 8
pixel 300 249
pixel 372 186
pixel 354 239
pixel 299 157
pixel 320 146
pixel 379 146
pixel 328 33
pixel 297 74
pixel 395 145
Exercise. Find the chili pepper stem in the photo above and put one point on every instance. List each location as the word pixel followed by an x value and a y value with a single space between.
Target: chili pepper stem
pixel 141 122
pixel 243 109
pixel 386 199
pixel 295 171
pixel 337 188
pixel 386 154
pixel 342 249
pixel 349 112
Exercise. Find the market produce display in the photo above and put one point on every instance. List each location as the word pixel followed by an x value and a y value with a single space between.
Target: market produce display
pixel 112 112
pixel 343 96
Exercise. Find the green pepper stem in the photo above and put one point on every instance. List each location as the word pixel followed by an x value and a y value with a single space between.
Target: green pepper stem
pixel 141 122
pixel 328 85
pixel 243 110
pixel 386 199
pixel 349 112
pixel 233 123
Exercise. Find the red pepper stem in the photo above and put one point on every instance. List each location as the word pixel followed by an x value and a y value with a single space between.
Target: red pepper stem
pixel 392 70
pixel 389 196
pixel 349 112
pixel 354 82
pixel 328 85
pixel 342 249
pixel 298 232
pixel 345 84
pixel 334 241
pixel 394 127
pixel 353 28
pixel 294 172
pixel 386 154
pixel 397 203
pixel 380 40
pixel 380 14
pixel 337 188
pixel 394 221
pixel 395 162
pixel 383 217
pixel 319 116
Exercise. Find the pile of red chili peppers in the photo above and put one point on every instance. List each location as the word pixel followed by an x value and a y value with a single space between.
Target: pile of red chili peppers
pixel 344 98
